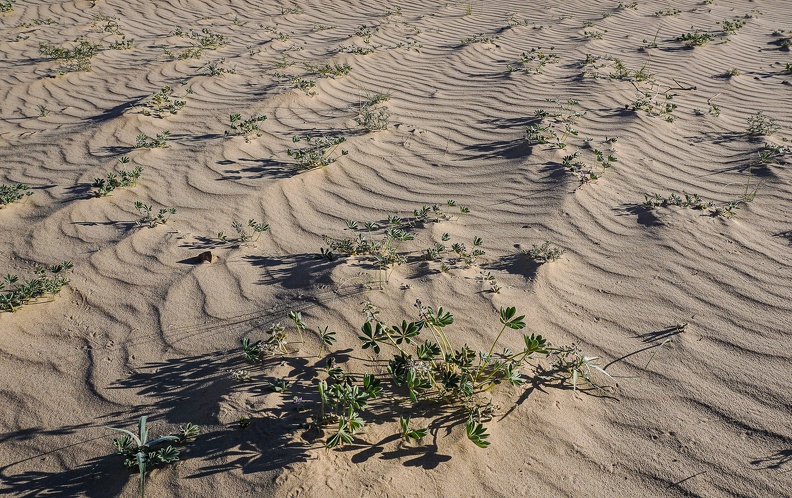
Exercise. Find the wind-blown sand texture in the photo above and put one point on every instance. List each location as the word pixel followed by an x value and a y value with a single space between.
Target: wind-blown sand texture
pixel 142 329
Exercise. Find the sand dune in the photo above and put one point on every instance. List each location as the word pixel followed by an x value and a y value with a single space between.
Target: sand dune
pixel 144 329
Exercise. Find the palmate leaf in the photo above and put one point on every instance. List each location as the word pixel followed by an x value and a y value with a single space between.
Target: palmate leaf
pixel 407 331
pixel 508 319
pixel 477 433
pixel 341 436
pixel 371 335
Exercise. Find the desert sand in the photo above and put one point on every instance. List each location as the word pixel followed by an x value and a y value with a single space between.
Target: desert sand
pixel 687 310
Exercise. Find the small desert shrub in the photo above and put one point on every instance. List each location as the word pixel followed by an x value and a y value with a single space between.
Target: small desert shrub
pixel 113 181
pixel 479 38
pixel 534 60
pixel 695 39
pixel 731 26
pixel 354 49
pixel 7 6
pixel 544 253
pixel 317 152
pixel 31 289
pixel 148 218
pixel 77 58
pixel 141 455
pixel 162 104
pixel 760 124
pixel 248 128
pixel 13 193
pixel 654 103
pixel 143 141
pixel 667 12
pixel 217 68
pixel 243 235
pixel 328 70
pixel 373 117
pixel 425 368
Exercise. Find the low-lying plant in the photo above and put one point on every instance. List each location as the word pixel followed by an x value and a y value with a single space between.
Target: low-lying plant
pixel 654 103
pixel 328 70
pixel 695 39
pixel 247 128
pixel 116 180
pixel 426 368
pixel 148 218
pixel 218 68
pixel 556 126
pixel 77 58
pixel 30 290
pixel 7 6
pixel 534 60
pixel 479 38
pixel 356 50
pixel 243 236
pixel 163 103
pixel 141 454
pixel 13 192
pixel 143 141
pixel 731 26
pixel 318 151
pixel 761 125
pixel 544 253
pixel 667 12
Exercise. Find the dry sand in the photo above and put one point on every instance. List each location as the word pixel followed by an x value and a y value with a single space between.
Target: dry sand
pixel 144 330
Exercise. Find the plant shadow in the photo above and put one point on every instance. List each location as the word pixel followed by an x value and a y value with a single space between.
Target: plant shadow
pixel 269 168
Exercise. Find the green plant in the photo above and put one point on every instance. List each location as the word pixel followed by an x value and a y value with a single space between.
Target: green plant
pixel 760 124
pixel 298 82
pixel 407 433
pixel 113 181
pixel 731 26
pixel 317 152
pixel 695 39
pixel 692 201
pixel 148 218
pixel 556 125
pixel 328 70
pixel 42 110
pixel 122 44
pixel 243 236
pixel 354 49
pixel 667 12
pixel 731 73
pixel 217 68
pixel 654 103
pixel 479 38
pixel 161 104
pixel 77 58
pixel 30 290
pixel 366 32
pixel 373 117
pixel 594 35
pixel 13 192
pixel 544 253
pixel 534 60
pixel 141 454
pixel 247 128
pixel 143 141
pixel 7 6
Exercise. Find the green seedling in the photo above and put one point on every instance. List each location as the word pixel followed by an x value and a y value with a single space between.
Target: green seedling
pixel 654 103
pixel 695 39
pixel 77 58
pixel 326 338
pixel 328 70
pixel 535 60
pixel 122 44
pixel 761 125
pixel 7 6
pixel 162 104
pixel 143 141
pixel 148 218
pixel 407 433
pixel 318 151
pixel 544 253
pixel 30 290
pixel 141 454
pixel 243 235
pixel 116 180
pixel 479 38
pixel 247 128
pixel 13 192
pixel 667 12
pixel 354 49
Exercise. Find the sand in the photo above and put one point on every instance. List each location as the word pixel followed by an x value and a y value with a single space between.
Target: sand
pixel 143 328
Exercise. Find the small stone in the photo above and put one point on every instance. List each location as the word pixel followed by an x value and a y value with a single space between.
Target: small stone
pixel 207 256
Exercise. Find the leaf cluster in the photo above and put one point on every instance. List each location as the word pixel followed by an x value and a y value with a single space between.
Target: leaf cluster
pixel 116 180
pixel 317 152
pixel 30 290
pixel 142 454
pixel 13 192
pixel 148 218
